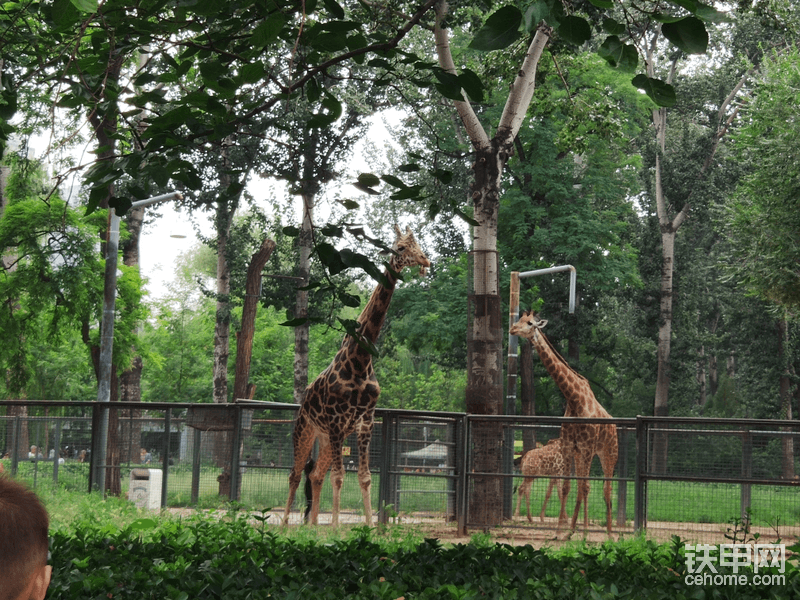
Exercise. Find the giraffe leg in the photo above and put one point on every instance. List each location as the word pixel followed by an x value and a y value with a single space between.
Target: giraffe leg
pixel 524 490
pixel 317 477
pixel 337 476
pixel 582 470
pixel 364 476
pixel 608 460
pixel 302 441
pixel 548 493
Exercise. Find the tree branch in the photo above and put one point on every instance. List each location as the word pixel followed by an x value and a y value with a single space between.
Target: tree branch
pixel 478 136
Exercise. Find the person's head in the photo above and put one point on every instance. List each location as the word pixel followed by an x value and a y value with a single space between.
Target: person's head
pixel 23 543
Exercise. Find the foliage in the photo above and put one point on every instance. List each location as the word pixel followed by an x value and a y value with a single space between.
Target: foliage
pixel 51 281
pixel 237 558
pixel 764 219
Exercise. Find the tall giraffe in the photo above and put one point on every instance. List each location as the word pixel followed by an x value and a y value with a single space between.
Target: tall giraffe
pixel 580 442
pixel 343 397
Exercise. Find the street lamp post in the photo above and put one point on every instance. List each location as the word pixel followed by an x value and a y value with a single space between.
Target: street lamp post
pixel 107 335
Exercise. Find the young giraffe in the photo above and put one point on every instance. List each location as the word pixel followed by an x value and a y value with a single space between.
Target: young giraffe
pixel 343 397
pixel 580 442
pixel 546 461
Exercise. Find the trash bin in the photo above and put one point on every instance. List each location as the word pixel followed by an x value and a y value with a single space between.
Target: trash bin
pixel 145 488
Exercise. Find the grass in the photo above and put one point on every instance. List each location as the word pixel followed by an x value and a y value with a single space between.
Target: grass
pixel 680 502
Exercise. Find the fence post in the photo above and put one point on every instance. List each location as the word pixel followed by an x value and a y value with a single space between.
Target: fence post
pixel 384 485
pixel 196 466
pixel 747 470
pixel 622 483
pixel 57 448
pixel 15 445
pixel 235 475
pixel 640 479
pixel 463 481
pixel 165 458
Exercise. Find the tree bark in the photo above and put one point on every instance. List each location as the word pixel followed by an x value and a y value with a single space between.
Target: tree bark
pixel 244 337
pixel 223 312
pixel 306 243
pixel 484 393
pixel 787 443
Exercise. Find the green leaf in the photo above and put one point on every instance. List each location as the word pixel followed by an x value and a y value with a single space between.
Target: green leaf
pixel 622 56
pixel 575 30
pixel 689 34
pixel 394 181
pixel 64 13
pixel 710 14
pixel 87 6
pixel 268 31
pixel 500 30
pixel 602 3
pixel 369 179
pixel 472 84
pixel 659 92
pixel 332 110
pixel 613 27
pixel 334 8
pixel 291 231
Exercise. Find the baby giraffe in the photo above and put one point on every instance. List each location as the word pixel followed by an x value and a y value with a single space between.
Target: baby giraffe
pixel 546 461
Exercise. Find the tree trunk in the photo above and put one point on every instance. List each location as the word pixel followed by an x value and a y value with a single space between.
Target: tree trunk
pixel 244 337
pixel 130 380
pixel 223 313
pixel 306 243
pixel 702 397
pixel 484 393
pixel 787 443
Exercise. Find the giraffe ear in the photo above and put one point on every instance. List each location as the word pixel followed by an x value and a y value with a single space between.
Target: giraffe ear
pixel 541 323
pixel 397 230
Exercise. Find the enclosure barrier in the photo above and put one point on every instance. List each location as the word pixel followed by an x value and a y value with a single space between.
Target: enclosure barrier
pixel 691 476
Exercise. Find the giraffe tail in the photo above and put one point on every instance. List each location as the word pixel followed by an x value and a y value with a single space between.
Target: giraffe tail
pixel 309 488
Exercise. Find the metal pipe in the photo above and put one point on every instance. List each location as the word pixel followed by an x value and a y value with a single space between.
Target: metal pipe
pixel 107 331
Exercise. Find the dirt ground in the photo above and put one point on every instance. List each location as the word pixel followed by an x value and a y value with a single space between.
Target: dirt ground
pixel 520 532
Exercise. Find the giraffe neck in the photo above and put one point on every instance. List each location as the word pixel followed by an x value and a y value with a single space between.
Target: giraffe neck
pixel 374 314
pixel 571 383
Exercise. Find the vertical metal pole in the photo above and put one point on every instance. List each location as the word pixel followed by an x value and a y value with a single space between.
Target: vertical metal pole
pixel 15 445
pixel 384 483
pixel 511 374
pixel 640 481
pixel 235 454
pixel 107 333
pixel 165 457
pixel 463 481
pixel 622 486
pixel 747 470
pixel 196 466
pixel 106 347
pixel 57 448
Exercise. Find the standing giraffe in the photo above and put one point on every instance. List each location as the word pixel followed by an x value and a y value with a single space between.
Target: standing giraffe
pixel 580 442
pixel 546 461
pixel 343 397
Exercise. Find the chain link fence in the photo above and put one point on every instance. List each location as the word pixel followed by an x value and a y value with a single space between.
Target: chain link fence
pixel 693 477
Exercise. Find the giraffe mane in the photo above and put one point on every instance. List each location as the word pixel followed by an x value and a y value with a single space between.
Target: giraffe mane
pixel 555 352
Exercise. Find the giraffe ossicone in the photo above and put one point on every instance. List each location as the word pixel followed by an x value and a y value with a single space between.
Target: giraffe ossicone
pixel 342 399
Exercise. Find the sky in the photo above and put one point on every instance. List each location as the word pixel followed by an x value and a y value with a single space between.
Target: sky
pixel 158 250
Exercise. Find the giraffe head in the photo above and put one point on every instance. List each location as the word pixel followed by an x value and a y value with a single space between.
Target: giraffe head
pixel 406 252
pixel 528 326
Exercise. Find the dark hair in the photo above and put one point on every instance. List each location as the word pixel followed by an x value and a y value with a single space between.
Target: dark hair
pixel 23 536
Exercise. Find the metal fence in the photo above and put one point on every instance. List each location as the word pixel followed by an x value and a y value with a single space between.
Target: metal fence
pixel 687 476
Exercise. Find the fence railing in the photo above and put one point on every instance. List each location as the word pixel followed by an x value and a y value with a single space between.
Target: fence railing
pixel 672 474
